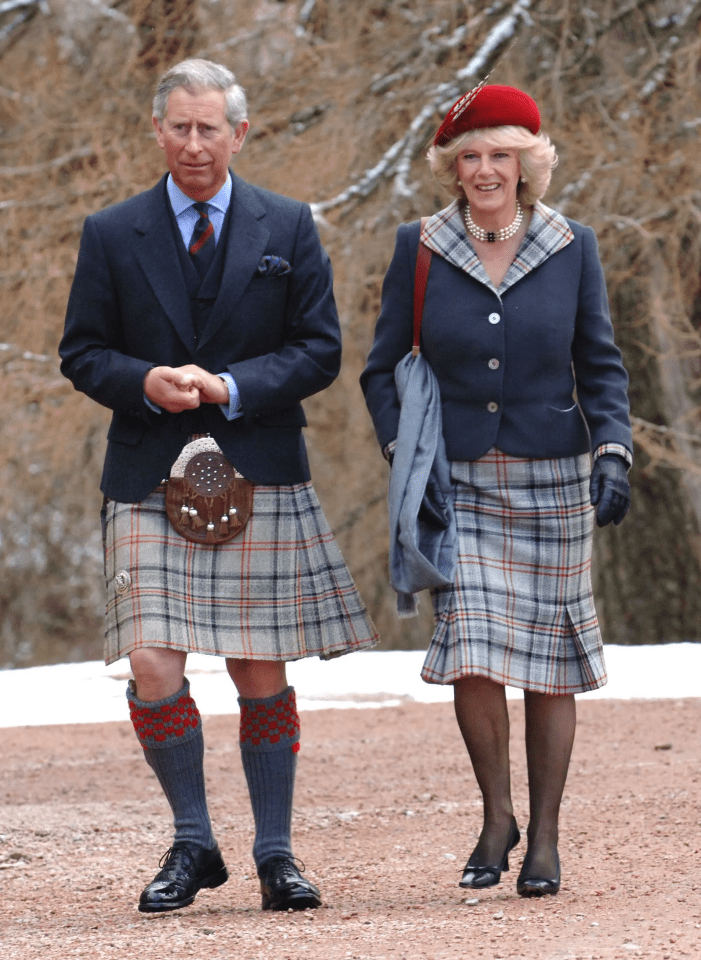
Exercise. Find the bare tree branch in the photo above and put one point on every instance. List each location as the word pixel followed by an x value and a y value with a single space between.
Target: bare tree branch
pixel 429 47
pixel 7 6
pixel 13 24
pixel 243 37
pixel 306 12
pixel 78 154
pixel 661 445
pixel 397 160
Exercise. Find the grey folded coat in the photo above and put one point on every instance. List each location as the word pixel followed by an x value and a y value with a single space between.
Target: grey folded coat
pixel 422 554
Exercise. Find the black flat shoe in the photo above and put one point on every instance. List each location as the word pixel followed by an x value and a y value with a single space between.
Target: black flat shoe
pixel 283 887
pixel 538 886
pixel 480 876
pixel 185 870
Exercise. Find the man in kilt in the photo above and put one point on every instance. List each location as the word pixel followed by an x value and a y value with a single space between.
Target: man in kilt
pixel 203 308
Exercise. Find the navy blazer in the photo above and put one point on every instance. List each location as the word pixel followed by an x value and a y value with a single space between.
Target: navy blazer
pixel 278 335
pixel 531 368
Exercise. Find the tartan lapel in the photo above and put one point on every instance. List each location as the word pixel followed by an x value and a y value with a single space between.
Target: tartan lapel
pixel 445 235
pixel 548 232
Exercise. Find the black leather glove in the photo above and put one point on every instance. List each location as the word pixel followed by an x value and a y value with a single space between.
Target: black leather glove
pixel 609 489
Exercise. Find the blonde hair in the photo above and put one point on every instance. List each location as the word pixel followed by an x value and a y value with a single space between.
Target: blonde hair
pixel 537 157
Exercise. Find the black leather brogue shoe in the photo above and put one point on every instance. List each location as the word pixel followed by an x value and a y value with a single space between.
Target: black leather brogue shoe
pixel 283 887
pixel 185 870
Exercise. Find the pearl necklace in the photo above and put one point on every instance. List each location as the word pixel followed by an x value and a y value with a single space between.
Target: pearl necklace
pixel 492 235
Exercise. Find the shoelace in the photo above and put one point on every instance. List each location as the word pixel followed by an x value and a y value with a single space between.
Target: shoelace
pixel 170 853
pixel 288 866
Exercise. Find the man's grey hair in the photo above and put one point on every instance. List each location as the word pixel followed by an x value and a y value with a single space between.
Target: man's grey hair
pixel 198 75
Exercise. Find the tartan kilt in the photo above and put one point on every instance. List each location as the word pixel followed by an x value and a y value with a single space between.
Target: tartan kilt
pixel 280 590
pixel 521 610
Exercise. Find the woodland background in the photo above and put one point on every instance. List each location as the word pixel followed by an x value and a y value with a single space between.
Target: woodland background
pixel 343 100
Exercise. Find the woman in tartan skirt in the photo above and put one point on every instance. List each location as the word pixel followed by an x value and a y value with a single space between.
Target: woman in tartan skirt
pixel 517 332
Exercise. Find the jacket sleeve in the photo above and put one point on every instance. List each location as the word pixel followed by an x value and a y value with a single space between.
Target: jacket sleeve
pixel 393 335
pixel 308 358
pixel 91 349
pixel 602 381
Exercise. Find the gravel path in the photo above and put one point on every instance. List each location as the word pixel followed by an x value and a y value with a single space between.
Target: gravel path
pixel 386 814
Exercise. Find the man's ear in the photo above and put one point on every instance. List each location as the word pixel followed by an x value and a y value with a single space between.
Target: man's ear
pixel 239 136
pixel 159 131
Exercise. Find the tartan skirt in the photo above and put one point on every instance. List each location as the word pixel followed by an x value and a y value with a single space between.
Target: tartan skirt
pixel 521 610
pixel 280 590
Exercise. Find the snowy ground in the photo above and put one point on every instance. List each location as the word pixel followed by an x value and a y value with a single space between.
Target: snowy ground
pixel 92 693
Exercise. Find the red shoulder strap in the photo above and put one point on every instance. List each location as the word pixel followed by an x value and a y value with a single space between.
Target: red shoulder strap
pixel 423 265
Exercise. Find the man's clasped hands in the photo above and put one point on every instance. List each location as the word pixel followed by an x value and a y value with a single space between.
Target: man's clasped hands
pixel 184 388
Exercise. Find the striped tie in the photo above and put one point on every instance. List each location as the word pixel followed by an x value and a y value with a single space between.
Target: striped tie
pixel 202 241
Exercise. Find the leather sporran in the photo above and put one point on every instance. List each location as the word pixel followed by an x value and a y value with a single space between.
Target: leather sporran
pixel 207 499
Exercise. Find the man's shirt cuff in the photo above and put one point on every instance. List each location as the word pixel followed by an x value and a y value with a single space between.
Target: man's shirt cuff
pixel 232 409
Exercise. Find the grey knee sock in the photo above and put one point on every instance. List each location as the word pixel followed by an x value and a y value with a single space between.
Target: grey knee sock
pixel 269 734
pixel 170 731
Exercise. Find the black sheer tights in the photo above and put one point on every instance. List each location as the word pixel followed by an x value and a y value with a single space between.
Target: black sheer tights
pixel 483 719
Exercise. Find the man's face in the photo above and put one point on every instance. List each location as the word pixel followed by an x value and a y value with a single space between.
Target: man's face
pixel 198 141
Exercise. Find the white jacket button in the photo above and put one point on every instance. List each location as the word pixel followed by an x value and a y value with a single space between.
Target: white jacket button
pixel 494 318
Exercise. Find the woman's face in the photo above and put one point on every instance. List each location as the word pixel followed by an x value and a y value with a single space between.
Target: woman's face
pixel 489 176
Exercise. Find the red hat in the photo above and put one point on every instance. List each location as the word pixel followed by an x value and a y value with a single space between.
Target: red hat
pixel 493 106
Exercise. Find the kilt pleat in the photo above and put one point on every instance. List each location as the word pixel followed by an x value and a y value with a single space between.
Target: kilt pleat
pixel 521 610
pixel 280 590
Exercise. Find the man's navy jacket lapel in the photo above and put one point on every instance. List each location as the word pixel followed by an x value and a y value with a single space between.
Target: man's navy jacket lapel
pixel 157 254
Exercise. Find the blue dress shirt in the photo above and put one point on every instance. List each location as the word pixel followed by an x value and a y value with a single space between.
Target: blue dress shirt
pixel 186 217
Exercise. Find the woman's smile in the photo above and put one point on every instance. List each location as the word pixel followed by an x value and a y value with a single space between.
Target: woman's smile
pixel 489 176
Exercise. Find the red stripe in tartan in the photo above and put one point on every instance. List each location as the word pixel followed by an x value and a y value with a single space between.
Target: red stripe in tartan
pixel 284 563
pixel 202 239
pixel 169 720
pixel 520 611
pixel 274 723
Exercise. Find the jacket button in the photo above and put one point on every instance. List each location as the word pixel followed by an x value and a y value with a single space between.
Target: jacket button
pixel 493 364
pixel 492 406
pixel 494 318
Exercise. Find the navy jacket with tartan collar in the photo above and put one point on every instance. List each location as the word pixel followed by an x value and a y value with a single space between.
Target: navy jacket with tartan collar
pixel 531 367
